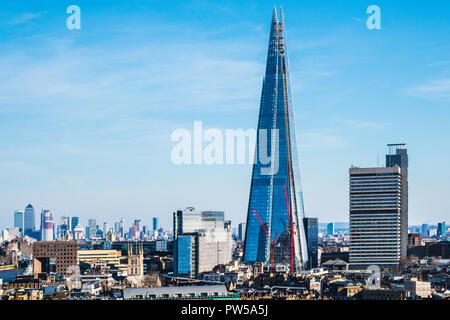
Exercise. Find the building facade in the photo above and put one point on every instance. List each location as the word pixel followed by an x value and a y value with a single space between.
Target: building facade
pixel 47 226
pixel 54 256
pixel 275 211
pixel 375 217
pixel 29 221
pixel 398 156
pixel 312 238
pixel 202 241
pixel 19 221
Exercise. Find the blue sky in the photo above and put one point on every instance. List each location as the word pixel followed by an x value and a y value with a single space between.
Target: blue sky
pixel 86 115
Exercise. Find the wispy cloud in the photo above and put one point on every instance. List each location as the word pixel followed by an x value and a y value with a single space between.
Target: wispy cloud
pixel 359 123
pixel 436 89
pixel 359 20
pixel 324 139
pixel 24 18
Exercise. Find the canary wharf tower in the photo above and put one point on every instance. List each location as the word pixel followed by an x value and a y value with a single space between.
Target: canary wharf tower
pixel 275 233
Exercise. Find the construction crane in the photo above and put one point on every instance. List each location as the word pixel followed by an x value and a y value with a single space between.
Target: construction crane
pixel 272 242
pixel 291 231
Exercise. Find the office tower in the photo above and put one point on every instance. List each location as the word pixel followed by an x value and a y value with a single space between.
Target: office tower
pixel 312 238
pixel 121 227
pixel 18 221
pixel 75 222
pixel 105 228
pixel 375 217
pixel 155 223
pixel 29 221
pixel 269 224
pixel 398 156
pixel 63 228
pixel 441 230
pixel 241 232
pixel 202 241
pixel 47 226
pixel 137 224
pixel 92 229
pixel 424 229
pixel 330 228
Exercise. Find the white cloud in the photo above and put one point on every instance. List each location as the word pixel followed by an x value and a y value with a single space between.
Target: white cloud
pixel 323 139
pixel 437 89
pixel 25 17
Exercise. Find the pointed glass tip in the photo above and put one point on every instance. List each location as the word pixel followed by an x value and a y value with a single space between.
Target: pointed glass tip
pixel 274 14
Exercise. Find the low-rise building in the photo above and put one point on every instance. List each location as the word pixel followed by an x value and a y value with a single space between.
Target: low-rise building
pixel 183 293
pixel 418 289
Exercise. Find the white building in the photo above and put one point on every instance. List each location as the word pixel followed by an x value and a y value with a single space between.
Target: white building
pixel 418 289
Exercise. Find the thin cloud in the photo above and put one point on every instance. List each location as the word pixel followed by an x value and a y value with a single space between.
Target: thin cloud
pixel 323 139
pixel 25 17
pixel 434 90
pixel 360 124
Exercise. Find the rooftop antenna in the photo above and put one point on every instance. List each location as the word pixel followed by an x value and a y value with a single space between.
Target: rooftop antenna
pixel 378 159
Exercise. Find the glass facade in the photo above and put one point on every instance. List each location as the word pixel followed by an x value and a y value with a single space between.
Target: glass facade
pixel 183 254
pixel 276 139
pixel 312 237
pixel 210 243
pixel 29 220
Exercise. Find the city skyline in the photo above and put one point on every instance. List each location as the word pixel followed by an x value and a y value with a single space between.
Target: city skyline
pixel 81 136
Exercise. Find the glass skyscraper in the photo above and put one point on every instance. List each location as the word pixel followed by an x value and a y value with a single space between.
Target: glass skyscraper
pixel 29 220
pixel 267 210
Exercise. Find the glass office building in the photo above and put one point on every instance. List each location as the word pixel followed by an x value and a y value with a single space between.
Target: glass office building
pixel 202 241
pixel 19 220
pixel 29 220
pixel 276 140
pixel 312 238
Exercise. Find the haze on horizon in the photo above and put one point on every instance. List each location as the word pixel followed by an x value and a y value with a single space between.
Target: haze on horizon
pixel 86 115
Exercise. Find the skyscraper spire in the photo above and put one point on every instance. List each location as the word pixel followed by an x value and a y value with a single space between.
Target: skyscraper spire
pixel 275 229
pixel 274 14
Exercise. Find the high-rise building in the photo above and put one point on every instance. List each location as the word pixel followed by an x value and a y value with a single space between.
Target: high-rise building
pixel 375 217
pixel 18 221
pixel 330 228
pixel 75 222
pixel 275 217
pixel 202 241
pixel 92 229
pixel 241 231
pixel 63 228
pixel 441 230
pixel 398 156
pixel 312 238
pixel 155 223
pixel 47 226
pixel 105 228
pixel 29 221
pixel 424 229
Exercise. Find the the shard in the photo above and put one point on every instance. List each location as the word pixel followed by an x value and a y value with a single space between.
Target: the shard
pixel 275 233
